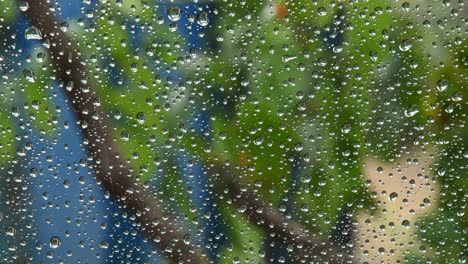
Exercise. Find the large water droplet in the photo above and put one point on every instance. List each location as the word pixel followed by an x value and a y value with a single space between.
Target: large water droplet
pixel 442 85
pixel 24 6
pixel 64 26
pixel 406 223
pixel 374 55
pixel 322 11
pixel 29 75
pixel 406 45
pixel 187 239
pixel 55 242
pixel 203 19
pixel 33 33
pixel 10 231
pixel 174 13
pixel 411 111
pixel 393 196
pixel 346 128
pixel 125 136
pixel 141 117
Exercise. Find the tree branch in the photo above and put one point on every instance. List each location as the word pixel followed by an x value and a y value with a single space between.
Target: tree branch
pixel 110 170
pixel 274 223
pixel 114 175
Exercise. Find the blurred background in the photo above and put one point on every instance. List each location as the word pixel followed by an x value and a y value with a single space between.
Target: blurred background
pixel 346 117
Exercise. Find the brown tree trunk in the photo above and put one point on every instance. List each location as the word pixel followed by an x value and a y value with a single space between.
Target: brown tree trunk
pixel 110 170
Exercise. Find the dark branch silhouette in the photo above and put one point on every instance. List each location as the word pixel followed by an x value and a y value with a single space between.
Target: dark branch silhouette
pixel 116 178
pixel 307 246
pixel 110 170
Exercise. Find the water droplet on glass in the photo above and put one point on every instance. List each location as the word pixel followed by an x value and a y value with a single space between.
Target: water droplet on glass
pixel 242 208
pixel 346 128
pixel 174 13
pixel 134 67
pixel 55 242
pixel 381 250
pixel 299 147
pixel 203 19
pixel 442 85
pixel 411 111
pixel 10 231
pixel 33 33
pixel 405 223
pixel 117 115
pixel 104 244
pixel 288 58
pixel 457 96
pixel 141 118
pixel 125 136
pixel 64 26
pixel 36 104
pixel 374 55
pixel 69 86
pixel 406 45
pixel 40 57
pixel 379 170
pixel 258 141
pixel 24 6
pixel 322 11
pixel 187 239
pixel 393 196
pixel 222 135
pixel 15 111
pixel 29 75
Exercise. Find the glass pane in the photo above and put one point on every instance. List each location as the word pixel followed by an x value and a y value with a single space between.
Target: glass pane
pixel 250 131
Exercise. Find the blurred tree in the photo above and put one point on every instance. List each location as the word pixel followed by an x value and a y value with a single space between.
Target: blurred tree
pixel 278 119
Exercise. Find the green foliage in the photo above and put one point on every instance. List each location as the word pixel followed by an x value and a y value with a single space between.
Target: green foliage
pixel 297 93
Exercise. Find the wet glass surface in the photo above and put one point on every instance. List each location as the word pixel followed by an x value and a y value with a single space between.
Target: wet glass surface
pixel 250 131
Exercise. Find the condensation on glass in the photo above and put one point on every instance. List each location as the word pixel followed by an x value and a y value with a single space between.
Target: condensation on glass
pixel 250 131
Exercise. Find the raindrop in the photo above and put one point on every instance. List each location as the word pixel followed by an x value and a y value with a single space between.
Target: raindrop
pixel 29 75
pixel 40 57
pixel 406 45
pixel 104 244
pixel 36 104
pixel 187 239
pixel 69 86
pixel 393 196
pixel 299 147
pixel 117 115
pixel 411 111
pixel 457 96
pixel 174 13
pixel 125 136
pixel 258 141
pixel 64 26
pixel 322 11
pixel 203 19
pixel 442 85
pixel 134 67
pixel 15 111
pixel 33 33
pixel 405 223
pixel 381 250
pixel 10 231
pixel 24 6
pixel 55 242
pixel 346 128
pixel 222 135
pixel 374 55
pixel 141 118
